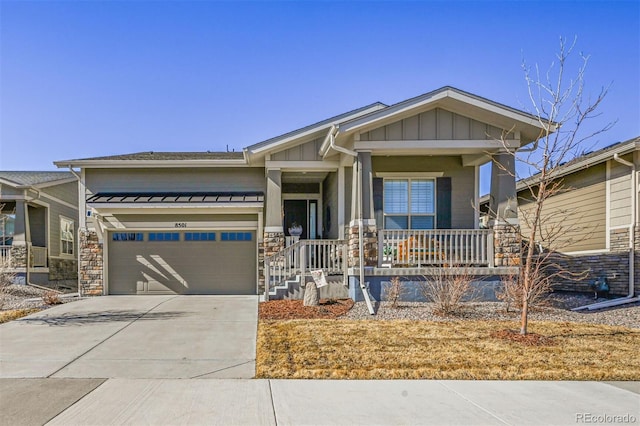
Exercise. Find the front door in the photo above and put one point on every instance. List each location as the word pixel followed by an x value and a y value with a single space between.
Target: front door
pixel 302 213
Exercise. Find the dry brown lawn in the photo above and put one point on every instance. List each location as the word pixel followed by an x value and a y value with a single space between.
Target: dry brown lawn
pixel 332 349
pixel 13 314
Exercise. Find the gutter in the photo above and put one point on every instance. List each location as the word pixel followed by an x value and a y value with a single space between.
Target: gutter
pixel 81 217
pixel 629 298
pixel 331 138
pixel 333 131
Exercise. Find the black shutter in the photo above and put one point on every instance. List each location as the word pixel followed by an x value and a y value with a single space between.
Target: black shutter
pixel 378 203
pixel 443 203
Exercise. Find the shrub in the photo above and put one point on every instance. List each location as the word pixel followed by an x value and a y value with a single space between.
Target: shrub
pixel 394 290
pixel 52 298
pixel 7 278
pixel 511 292
pixel 447 290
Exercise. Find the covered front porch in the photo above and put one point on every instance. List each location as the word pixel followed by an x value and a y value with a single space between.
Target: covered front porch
pixel 23 236
pixel 399 194
pixel 412 221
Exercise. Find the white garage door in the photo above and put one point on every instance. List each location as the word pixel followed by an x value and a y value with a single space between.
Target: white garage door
pixel 194 262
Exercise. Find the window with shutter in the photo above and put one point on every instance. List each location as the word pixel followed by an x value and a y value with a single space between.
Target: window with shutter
pixel 409 203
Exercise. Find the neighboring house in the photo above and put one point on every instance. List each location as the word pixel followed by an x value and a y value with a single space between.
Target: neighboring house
pixel 224 223
pixel 597 213
pixel 38 226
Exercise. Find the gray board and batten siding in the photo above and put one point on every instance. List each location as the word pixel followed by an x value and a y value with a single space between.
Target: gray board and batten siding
pixel 435 124
pixel 308 151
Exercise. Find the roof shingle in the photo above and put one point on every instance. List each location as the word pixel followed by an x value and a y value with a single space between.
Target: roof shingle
pixel 33 177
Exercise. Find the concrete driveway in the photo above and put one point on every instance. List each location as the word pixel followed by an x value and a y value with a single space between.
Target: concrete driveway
pixel 134 337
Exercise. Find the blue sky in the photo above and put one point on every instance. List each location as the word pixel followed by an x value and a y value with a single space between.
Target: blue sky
pixel 81 79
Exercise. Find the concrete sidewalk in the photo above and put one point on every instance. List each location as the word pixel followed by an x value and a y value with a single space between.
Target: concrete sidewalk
pixel 309 402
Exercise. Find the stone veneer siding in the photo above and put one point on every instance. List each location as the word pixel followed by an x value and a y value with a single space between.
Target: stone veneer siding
pixel 507 245
pixel 91 280
pixel 370 246
pixel 63 269
pixel 613 264
pixel 272 243
pixel 19 255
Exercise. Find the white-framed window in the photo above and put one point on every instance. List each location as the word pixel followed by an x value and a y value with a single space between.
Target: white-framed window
pixel 67 235
pixel 409 203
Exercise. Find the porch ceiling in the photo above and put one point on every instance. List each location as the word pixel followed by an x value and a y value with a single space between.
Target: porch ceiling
pixel 304 177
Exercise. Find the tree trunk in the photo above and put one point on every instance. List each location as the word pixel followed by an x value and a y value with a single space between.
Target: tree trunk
pixel 524 316
pixel 311 294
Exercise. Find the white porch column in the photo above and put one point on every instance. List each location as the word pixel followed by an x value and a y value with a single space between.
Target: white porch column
pixel 364 160
pixel 503 200
pixel 362 207
pixel 341 202
pixel 273 212
pixel 273 236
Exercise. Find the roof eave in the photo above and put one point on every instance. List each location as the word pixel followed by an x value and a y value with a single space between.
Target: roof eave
pixel 116 164
pixel 623 149
pixel 263 148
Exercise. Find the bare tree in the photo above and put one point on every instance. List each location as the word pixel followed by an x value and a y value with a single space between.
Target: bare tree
pixel 562 108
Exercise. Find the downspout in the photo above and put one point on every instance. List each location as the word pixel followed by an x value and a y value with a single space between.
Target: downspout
pixel 80 217
pixel 629 298
pixel 332 145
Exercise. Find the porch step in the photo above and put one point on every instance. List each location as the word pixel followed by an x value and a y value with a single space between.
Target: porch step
pixel 293 290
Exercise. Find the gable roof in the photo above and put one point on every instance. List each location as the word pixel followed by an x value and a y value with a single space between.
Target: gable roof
pixel 583 162
pixel 369 117
pixel 21 179
pixel 454 100
pixel 313 128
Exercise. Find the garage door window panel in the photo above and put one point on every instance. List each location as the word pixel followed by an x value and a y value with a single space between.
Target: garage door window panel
pixel 164 236
pixel 200 236
pixel 236 236
pixel 127 236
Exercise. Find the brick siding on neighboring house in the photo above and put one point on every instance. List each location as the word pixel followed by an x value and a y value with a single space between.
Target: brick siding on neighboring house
pixel 614 265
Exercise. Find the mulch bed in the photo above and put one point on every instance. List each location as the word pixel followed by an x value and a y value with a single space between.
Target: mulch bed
pixel 529 339
pixel 294 309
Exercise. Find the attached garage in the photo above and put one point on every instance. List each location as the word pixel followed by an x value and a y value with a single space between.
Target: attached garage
pixel 182 262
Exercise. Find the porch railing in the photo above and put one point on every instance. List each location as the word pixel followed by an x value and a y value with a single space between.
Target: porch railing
pixel 438 247
pixel 303 256
pixel 5 255
pixel 38 256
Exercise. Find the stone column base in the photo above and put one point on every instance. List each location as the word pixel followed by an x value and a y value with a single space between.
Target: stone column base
pixel 272 243
pixel 507 243
pixel 370 245
pixel 91 279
